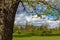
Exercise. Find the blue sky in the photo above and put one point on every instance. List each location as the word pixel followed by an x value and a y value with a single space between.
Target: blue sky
pixel 22 15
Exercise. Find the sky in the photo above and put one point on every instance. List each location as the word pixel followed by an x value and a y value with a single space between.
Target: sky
pixel 36 21
pixel 22 16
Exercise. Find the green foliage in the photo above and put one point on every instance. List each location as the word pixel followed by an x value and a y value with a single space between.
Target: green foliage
pixel 48 5
pixel 15 28
pixel 43 30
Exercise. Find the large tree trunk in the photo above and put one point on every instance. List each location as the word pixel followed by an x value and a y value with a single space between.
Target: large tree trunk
pixel 7 21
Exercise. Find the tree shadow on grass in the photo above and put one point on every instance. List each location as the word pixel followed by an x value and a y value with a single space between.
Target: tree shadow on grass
pixel 28 35
pixel 50 35
pixel 22 35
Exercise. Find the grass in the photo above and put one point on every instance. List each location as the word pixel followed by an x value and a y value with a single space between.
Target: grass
pixel 30 37
pixel 37 38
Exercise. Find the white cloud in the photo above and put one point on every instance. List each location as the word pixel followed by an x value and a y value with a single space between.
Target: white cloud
pixel 21 19
pixel 28 18
pixel 53 23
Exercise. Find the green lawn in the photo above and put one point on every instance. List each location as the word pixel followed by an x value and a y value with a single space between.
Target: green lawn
pixel 36 38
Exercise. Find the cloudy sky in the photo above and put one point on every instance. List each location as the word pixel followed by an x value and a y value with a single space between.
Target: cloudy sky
pixel 36 21
pixel 22 16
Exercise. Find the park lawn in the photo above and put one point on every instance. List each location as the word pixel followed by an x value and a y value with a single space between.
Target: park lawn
pixel 37 38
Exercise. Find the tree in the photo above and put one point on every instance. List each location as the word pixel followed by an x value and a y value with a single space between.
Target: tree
pixel 7 18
